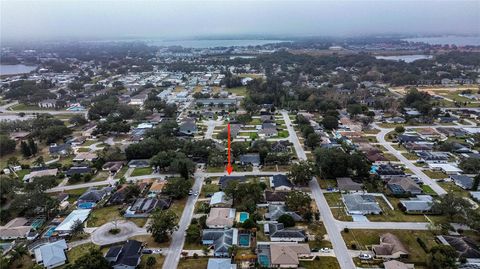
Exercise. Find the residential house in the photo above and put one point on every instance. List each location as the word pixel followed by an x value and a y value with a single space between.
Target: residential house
pixel 188 127
pixel 127 256
pixel 85 157
pixel 361 204
pixel 420 204
pixel 280 183
pixel 275 211
pixel 141 208
pixel 224 180
pixel 138 163
pixel 157 186
pixel 390 247
pixel 276 197
pixel 286 255
pixel 119 196
pixel 403 186
pixel 40 173
pixel 393 264
pixel 221 240
pixel 463 181
pixel 221 263
pixel 250 159
pixel 51 255
pixel 447 168
pixel 112 167
pixel 465 246
pixel 278 233
pixel 217 102
pixel 220 217
pixel 59 150
pixel 433 157
pixel 388 171
pixel 220 199
pixel 65 227
pixel 15 228
pixel 93 195
pixel 346 184
pixel 78 170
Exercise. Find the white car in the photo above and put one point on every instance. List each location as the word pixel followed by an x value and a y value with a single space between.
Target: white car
pixel 364 256
pixel 325 250
pixel 196 193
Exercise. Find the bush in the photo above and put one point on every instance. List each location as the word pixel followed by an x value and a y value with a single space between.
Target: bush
pixel 353 246
pixel 114 231
pixel 287 220
pixel 346 230
pixel 195 255
pixel 422 244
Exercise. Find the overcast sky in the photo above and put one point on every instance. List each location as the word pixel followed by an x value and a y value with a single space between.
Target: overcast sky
pixel 85 19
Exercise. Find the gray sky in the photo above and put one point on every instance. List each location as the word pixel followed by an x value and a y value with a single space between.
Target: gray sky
pixel 85 19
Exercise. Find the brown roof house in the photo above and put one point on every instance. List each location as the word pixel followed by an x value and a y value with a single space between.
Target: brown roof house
pixel 220 217
pixel 286 255
pixel 390 247
pixel 348 185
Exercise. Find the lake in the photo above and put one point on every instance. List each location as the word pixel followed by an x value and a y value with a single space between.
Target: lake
pixel 14 69
pixel 448 40
pixel 212 43
pixel 405 58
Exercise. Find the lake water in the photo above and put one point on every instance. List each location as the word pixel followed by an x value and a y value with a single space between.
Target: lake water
pixel 405 58
pixel 448 40
pixel 14 69
pixel 211 43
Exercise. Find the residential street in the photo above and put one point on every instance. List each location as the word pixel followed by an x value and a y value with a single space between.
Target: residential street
pixel 339 246
pixel 178 237
pixel 408 164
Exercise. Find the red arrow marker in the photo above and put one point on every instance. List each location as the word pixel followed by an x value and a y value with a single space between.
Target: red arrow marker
pixel 229 164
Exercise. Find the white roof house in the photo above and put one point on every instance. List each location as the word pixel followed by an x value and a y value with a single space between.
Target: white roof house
pixel 448 168
pixel 219 199
pixel 75 215
pixel 51 255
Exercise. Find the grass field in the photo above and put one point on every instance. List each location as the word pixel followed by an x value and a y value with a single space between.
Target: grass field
pixel 209 189
pixel 435 174
pixel 451 187
pixel 321 263
pixel 240 91
pixel 79 251
pixel 141 171
pixel 178 206
pixel 122 172
pixel 103 215
pixel 191 263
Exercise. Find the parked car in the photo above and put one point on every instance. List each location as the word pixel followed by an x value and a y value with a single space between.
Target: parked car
pixel 324 250
pixel 364 256
pixel 147 251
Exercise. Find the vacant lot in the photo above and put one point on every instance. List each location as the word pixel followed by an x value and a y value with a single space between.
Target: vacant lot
pixel 190 263
pixel 321 263
pixel 141 171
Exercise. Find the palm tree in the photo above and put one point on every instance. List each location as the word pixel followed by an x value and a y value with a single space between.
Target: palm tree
pixel 39 161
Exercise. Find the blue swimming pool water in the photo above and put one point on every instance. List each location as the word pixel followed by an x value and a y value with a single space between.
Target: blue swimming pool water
pixel 263 259
pixel 244 240
pixel 86 205
pixel 373 169
pixel 49 232
pixel 243 216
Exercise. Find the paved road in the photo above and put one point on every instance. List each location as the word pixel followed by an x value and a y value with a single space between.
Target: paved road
pixel 178 237
pixel 383 225
pixel 101 236
pixel 415 169
pixel 339 246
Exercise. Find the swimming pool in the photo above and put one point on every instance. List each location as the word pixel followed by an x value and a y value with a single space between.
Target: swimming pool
pixel 88 205
pixel 244 240
pixel 263 260
pixel 243 217
pixel 49 232
pixel 373 169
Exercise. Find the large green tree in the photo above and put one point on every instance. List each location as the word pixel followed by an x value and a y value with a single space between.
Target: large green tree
pixel 92 259
pixel 301 173
pixel 164 223
pixel 442 257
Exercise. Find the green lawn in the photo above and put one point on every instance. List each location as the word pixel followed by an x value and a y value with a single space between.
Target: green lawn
pixel 122 172
pixel 103 215
pixel 73 194
pixel 428 190
pixel 321 263
pixel 178 206
pixel 141 171
pixel 209 189
pixel 325 183
pixel 79 251
pixel 435 174
pixel 318 229
pixel 29 107
pixel 83 149
pixel 394 215
pixel 410 156
pixel 240 91
pixel 451 187
pixel 283 134
pixel 364 239
pixel 334 199
pixel 191 263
